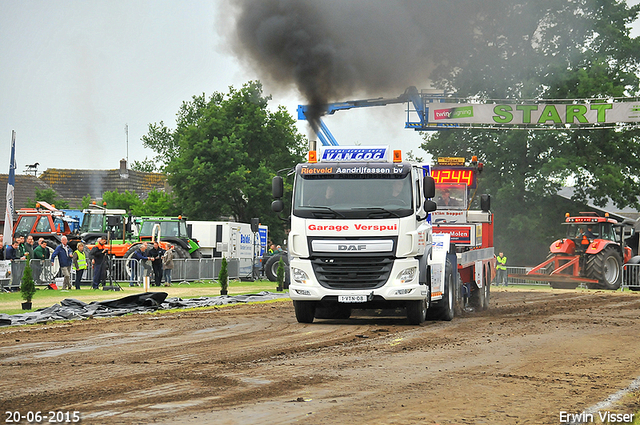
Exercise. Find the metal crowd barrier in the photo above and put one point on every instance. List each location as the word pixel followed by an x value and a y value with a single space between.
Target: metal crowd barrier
pixel 119 270
pixel 518 281
pixel 184 270
pixel 631 276
pixel 189 270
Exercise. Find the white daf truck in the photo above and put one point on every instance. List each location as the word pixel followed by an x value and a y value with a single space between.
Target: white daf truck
pixel 360 236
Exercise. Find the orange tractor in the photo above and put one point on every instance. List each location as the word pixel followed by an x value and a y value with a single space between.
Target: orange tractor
pixel 592 252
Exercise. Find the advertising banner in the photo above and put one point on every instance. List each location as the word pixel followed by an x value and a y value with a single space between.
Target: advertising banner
pixel 535 113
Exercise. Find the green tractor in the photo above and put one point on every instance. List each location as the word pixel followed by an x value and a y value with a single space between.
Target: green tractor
pixel 173 230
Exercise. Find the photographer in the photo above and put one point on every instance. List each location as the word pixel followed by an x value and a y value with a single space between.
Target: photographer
pixel 98 255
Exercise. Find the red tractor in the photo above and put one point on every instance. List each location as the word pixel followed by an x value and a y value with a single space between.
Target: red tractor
pixel 45 221
pixel 592 252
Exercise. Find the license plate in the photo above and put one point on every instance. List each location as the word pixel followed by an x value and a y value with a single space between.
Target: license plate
pixel 352 298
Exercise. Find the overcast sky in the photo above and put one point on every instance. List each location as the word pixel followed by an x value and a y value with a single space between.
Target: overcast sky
pixel 73 73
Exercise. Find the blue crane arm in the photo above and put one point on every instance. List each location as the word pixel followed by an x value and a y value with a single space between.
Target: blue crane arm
pixel 419 100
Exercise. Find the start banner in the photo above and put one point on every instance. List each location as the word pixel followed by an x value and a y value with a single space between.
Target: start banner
pixel 535 113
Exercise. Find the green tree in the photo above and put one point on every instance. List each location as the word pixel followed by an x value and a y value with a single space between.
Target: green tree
pixel 158 204
pixel 50 196
pixel 86 201
pixel 223 277
pixel 223 153
pixel 129 201
pixel 545 49
pixel 27 285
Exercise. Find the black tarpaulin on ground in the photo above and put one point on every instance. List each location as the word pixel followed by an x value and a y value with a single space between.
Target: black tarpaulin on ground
pixel 70 308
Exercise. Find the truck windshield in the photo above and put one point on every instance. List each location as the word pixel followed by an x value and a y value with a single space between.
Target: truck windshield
pixel 353 196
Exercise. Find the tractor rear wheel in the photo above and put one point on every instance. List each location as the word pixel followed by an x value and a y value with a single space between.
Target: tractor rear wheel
pixel 181 253
pixel 271 267
pixel 606 267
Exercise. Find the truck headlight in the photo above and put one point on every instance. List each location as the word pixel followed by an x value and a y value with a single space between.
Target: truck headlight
pixel 406 275
pixel 299 276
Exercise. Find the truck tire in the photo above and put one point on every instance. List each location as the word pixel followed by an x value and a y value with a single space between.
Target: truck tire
pixel 417 309
pixel 305 311
pixel 606 267
pixel 477 298
pixel 487 289
pixel 446 310
pixel 458 299
pixel 271 268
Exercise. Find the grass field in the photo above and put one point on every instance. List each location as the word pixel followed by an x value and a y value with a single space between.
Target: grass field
pixel 10 303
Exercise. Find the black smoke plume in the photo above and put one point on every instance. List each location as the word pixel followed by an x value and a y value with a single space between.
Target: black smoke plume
pixel 335 49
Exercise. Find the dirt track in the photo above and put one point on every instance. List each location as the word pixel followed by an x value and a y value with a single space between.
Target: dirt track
pixel 531 356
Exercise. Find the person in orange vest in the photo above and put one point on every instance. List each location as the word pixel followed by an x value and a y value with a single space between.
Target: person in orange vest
pixel 501 268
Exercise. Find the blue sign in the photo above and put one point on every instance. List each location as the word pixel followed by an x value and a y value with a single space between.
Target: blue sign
pixel 262 231
pixel 355 153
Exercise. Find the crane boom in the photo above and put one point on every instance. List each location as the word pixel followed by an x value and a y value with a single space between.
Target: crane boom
pixel 419 100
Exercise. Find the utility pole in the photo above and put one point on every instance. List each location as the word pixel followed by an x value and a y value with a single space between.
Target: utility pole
pixel 126 131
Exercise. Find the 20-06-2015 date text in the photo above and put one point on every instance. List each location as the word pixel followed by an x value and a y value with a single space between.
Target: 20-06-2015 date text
pixel 50 417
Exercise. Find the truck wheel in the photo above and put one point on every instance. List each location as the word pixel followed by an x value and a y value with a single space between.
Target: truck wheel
pixel 458 299
pixel 305 311
pixel 477 298
pixel 487 289
pixel 417 309
pixel 447 309
pixel 606 267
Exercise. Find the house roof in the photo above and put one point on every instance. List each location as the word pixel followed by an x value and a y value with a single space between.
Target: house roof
pixel 73 184
pixel 615 212
pixel 25 189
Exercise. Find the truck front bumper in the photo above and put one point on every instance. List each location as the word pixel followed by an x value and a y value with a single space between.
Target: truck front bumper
pixel 395 289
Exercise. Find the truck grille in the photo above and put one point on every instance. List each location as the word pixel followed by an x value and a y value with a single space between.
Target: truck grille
pixel 352 272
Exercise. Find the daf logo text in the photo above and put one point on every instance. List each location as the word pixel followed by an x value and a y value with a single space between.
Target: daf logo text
pixel 351 247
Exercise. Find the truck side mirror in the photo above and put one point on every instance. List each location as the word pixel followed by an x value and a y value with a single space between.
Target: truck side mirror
pixel 277 206
pixel 485 202
pixel 277 188
pixel 430 206
pixel 429 187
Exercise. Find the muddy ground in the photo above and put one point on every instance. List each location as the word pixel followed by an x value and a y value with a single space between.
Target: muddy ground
pixel 533 355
